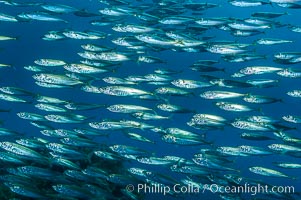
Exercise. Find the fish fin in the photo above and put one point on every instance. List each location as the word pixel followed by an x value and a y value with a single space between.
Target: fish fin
pixel 179 42
pixel 270 3
pixel 113 70
pixel 89 83
pixel 165 99
pixel 260 111
pixel 214 103
pixel 281 100
pixel 193 94
pixel 171 116
pixel 138 62
pixel 89 157
pixel 265 57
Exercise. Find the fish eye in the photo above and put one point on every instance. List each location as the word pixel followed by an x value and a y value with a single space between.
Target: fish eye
pixel 173 167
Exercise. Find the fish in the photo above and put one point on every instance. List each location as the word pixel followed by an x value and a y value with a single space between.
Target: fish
pixel 117 81
pixel 50 108
pixel 175 20
pixel 7 18
pixel 4 65
pixel 106 155
pixel 84 69
pixel 189 84
pixel 291 118
pixel 287 165
pixel 242 3
pixel 25 190
pixel 248 27
pixel 16 91
pixel 63 149
pixel 191 170
pixel 157 77
pixel 231 151
pixel 149 116
pixel 58 133
pixel 125 108
pixel 85 13
pixel 7 132
pixel 252 150
pixel 207 121
pixel 49 99
pixel 283 148
pixel 21 150
pixel 268 172
pixel 78 142
pixel 220 95
pixel 3 38
pixel 210 164
pixel 262 83
pixel 56 79
pixel 58 8
pixel 80 35
pixel 123 149
pixel 40 16
pixel 211 21
pixel 289 73
pixel 53 36
pixel 65 119
pixel 225 49
pixel 112 125
pixel 243 57
pixel 123 91
pixel 10 158
pixel 72 191
pixel 272 41
pixel 268 15
pixel 233 107
pixel 286 137
pixel 155 40
pixel 154 160
pixel 12 98
pixel 259 99
pixel 174 108
pixel 251 126
pixel 171 91
pixel 255 136
pixel 170 138
pixel 294 93
pixel 31 116
pixel 259 70
pixel 49 62
pixel 138 137
pixel 132 28
pixel 82 106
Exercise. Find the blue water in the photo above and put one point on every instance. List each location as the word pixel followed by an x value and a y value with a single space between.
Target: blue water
pixel 30 47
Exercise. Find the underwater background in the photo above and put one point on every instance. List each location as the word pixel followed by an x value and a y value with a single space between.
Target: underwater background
pixel 179 55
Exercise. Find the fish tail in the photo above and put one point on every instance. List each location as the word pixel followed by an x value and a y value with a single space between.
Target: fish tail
pixel 281 100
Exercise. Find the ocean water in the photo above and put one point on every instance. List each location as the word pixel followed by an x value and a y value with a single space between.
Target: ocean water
pixel 29 47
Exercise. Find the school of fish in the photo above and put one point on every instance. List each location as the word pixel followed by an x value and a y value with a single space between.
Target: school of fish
pixel 160 73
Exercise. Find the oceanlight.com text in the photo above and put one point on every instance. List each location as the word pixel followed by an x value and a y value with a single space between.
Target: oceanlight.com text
pixel 211 188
